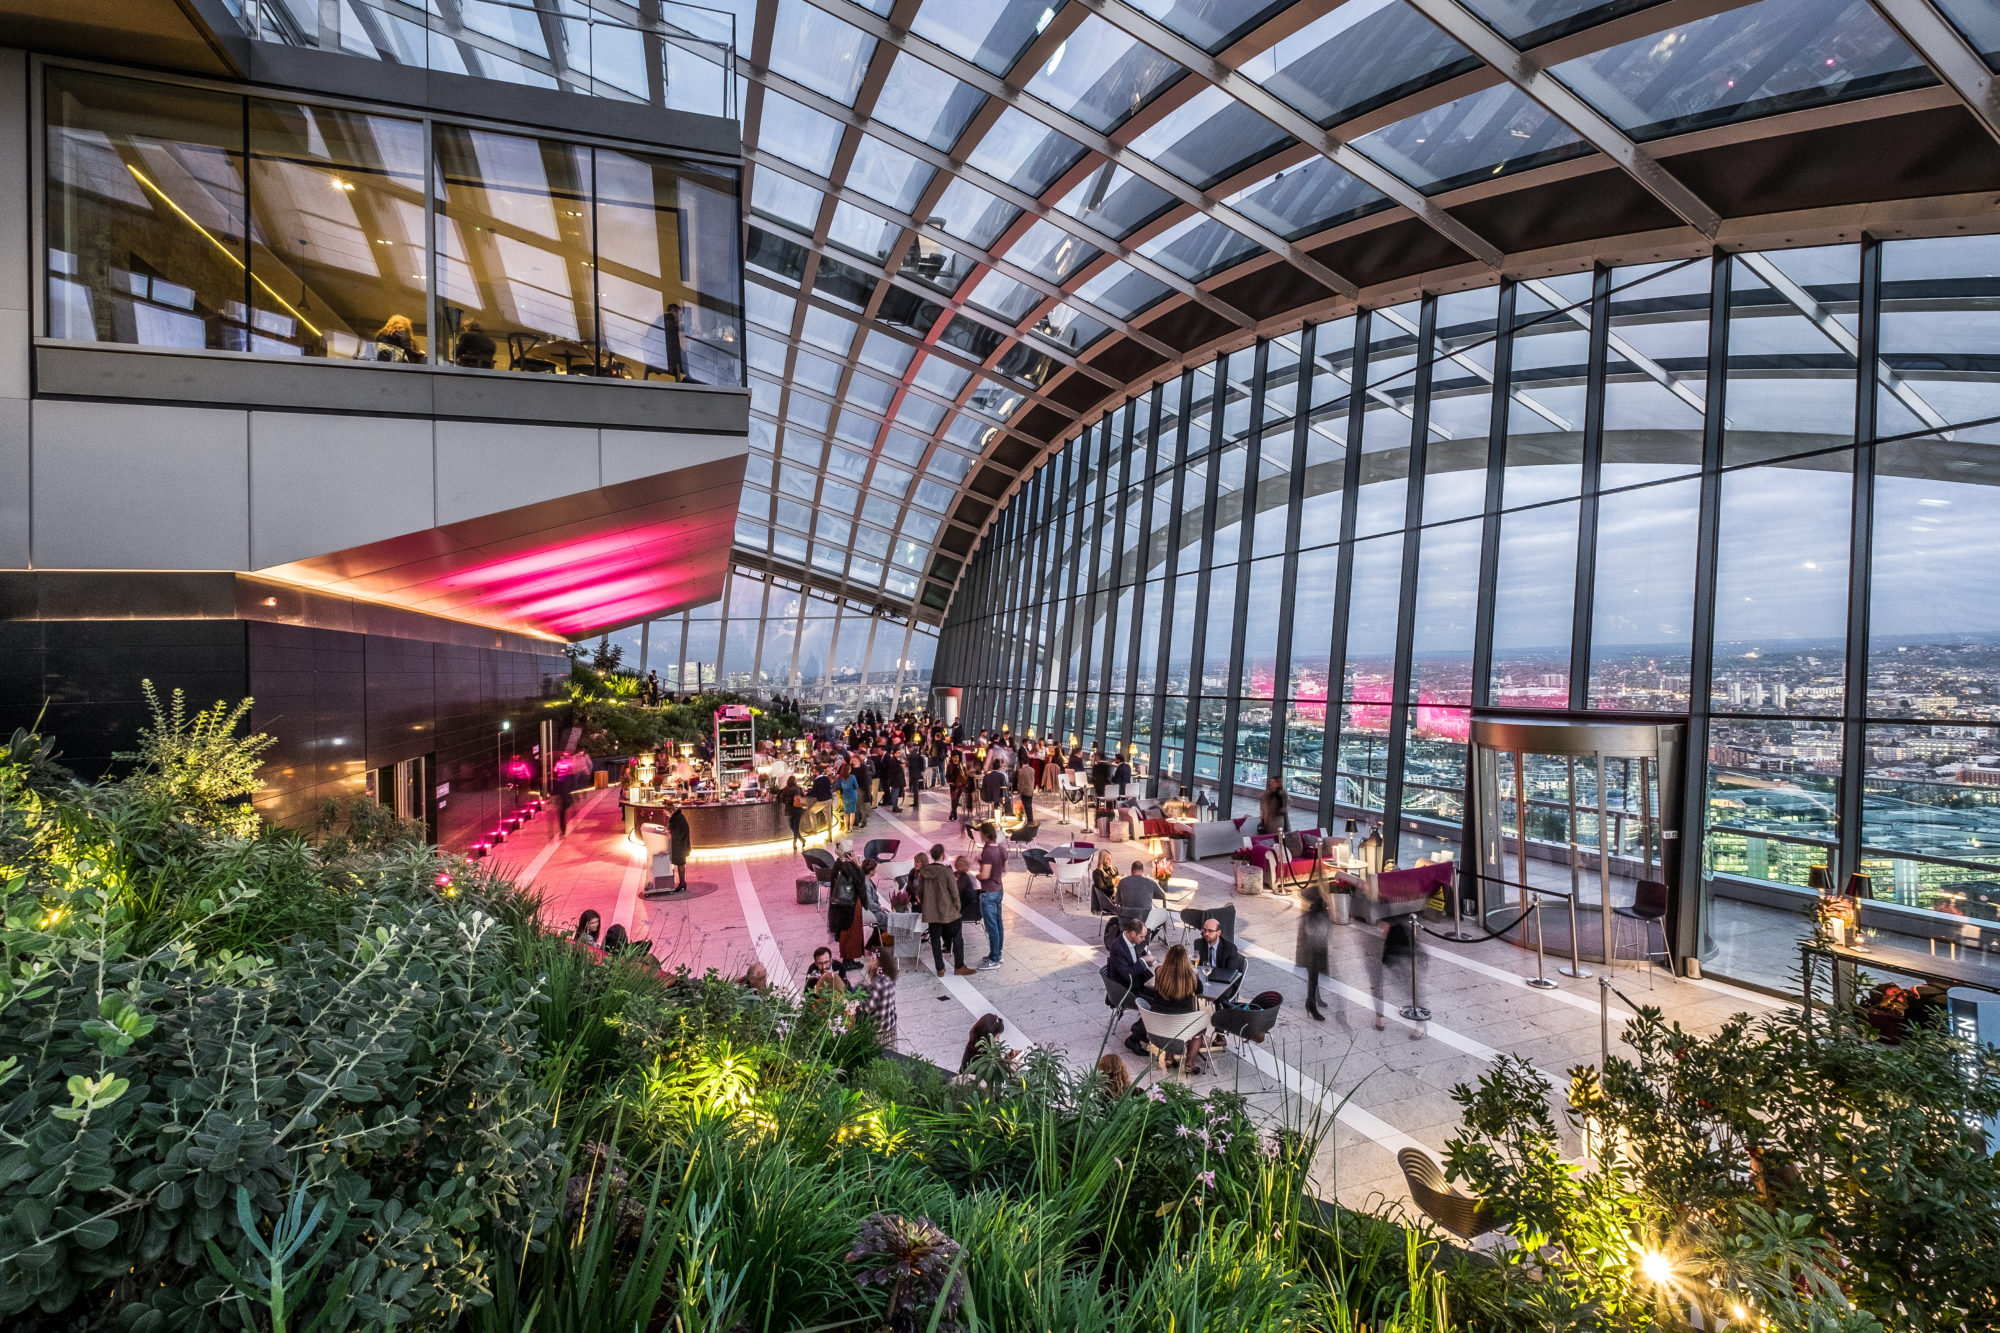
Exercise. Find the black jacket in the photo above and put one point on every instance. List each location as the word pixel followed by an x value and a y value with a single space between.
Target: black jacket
pixel 683 837
pixel 1226 958
pixel 1126 970
pixel 890 770
pixel 968 897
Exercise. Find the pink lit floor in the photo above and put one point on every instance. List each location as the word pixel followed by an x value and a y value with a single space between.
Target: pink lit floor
pixel 1385 1089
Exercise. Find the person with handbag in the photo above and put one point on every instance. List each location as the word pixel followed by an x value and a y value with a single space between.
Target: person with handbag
pixel 795 802
pixel 1310 949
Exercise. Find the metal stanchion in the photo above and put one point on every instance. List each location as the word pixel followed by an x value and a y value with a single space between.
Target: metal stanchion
pixel 1603 1021
pixel 1576 968
pixel 1458 930
pixel 1413 1011
pixel 1540 981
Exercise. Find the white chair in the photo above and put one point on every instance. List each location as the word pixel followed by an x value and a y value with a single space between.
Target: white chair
pixel 1175 1034
pixel 659 847
pixel 1071 876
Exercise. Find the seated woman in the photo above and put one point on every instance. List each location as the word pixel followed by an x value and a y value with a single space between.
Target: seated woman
pixel 1104 876
pixel 989 1025
pixel 1179 992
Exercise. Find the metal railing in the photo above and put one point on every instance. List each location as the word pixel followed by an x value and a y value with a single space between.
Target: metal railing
pixel 679 57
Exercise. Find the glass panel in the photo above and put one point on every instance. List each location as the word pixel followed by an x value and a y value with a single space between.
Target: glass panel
pixel 667 270
pixel 1933 791
pixel 1210 24
pixel 1373 606
pixel 1363 763
pixel 146 214
pixel 971 214
pixel 1269 603
pixel 1534 605
pixel 1358 57
pixel 1642 610
pixel 1114 201
pixel 1934 592
pixel 337 224
pixel 1980 22
pixel 1777 55
pixel 1434 766
pixel 1198 247
pixel 1490 133
pixel 888 175
pixel 798 134
pixel 1381 504
pixel 1446 612
pixel 1023 152
pixel 1122 290
pixel 515 246
pixel 1546 385
pixel 1461 405
pixel 1793 316
pixel 811 47
pixel 1529 23
pixel 1208 137
pixel 1101 75
pixel 1656 364
pixel 1305 199
pixel 990 33
pixel 925 103
pixel 1940 333
pixel 1781 588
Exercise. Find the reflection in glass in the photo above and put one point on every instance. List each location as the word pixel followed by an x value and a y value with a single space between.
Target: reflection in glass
pixel 1370 669
pixel 1534 607
pixel 1490 133
pixel 1656 364
pixel 1940 335
pixel 145 222
pixel 666 268
pixel 1776 55
pixel 1551 357
pixel 1792 342
pixel 337 223
pixel 1356 58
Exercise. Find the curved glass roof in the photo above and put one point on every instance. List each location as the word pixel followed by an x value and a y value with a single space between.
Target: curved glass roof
pixel 953 204
pixel 970 222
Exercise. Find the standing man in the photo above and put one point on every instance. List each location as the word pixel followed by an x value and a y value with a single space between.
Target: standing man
pixel 916 772
pixel 992 883
pixel 937 892
pixel 890 768
pixel 993 787
pixel 682 842
pixel 1025 777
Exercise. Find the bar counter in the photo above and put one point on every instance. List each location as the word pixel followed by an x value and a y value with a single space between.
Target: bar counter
pixel 712 823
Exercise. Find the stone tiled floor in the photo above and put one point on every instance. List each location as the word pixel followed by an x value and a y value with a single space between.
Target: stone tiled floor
pixel 1384 1089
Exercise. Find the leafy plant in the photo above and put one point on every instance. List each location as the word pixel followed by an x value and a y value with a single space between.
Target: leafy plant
pixel 918 1264
pixel 198 767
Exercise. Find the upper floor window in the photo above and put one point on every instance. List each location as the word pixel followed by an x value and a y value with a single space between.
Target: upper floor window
pixel 189 218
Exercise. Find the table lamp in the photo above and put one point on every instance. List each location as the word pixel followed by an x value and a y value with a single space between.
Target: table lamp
pixel 1817 878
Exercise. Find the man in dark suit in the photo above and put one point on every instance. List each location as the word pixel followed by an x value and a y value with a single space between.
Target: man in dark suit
pixel 1129 969
pixel 1215 951
pixel 1222 958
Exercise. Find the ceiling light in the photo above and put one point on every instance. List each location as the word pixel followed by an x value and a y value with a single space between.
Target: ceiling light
pixel 340 184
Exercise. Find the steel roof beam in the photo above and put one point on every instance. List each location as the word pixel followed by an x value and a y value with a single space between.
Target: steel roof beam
pixel 1953 59
pixel 1090 138
pixel 999 189
pixel 1297 124
pixel 1590 125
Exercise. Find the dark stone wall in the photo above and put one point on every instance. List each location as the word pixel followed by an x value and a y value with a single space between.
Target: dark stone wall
pixel 339 704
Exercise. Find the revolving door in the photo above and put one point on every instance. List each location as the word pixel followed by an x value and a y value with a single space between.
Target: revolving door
pixel 1572 823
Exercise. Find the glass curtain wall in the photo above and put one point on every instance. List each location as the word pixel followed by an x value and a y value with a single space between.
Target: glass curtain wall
pixel 190 218
pixel 766 637
pixel 1757 492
